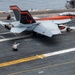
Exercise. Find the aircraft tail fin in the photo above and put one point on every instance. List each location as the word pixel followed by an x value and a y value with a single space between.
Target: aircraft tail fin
pixel 16 11
pixel 26 18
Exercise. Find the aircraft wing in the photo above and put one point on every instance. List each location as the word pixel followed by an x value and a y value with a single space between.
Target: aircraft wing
pixel 47 28
pixel 17 29
pixel 3 23
pixel 62 21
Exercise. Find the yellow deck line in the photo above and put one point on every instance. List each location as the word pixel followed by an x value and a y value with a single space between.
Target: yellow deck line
pixel 21 60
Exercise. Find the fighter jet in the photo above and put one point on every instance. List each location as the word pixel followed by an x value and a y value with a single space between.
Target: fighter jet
pixel 58 19
pixel 25 22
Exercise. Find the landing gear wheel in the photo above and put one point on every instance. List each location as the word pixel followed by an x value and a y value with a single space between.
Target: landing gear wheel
pixel 68 29
pixel 34 33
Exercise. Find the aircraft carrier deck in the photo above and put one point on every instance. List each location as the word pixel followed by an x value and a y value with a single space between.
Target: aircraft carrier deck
pixel 37 55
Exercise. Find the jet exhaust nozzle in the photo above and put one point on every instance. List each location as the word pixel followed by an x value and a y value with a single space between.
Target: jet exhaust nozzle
pixel 8 26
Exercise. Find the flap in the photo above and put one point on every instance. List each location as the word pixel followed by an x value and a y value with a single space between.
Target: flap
pixel 47 28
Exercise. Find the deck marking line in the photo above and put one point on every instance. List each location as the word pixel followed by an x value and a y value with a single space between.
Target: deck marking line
pixel 6 33
pixel 35 57
pixel 21 60
pixel 1 40
pixel 2 37
pixel 59 52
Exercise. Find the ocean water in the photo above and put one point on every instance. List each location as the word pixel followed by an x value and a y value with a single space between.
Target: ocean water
pixel 33 4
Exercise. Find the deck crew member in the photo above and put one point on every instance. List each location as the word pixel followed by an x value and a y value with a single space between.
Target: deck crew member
pixel 15 46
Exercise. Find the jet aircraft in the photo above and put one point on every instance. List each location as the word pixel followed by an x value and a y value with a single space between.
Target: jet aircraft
pixel 25 22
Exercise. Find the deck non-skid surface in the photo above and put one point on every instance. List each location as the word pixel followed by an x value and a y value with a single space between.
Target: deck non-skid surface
pixel 37 55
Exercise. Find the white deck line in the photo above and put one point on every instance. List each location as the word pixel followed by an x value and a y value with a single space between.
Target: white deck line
pixel 7 39
pixel 59 52
pixel 2 37
pixel 6 33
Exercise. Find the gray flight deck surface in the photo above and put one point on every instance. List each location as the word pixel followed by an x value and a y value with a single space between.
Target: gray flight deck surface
pixel 62 64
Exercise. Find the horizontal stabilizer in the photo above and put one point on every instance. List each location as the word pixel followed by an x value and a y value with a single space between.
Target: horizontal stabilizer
pixel 47 28
pixel 17 29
